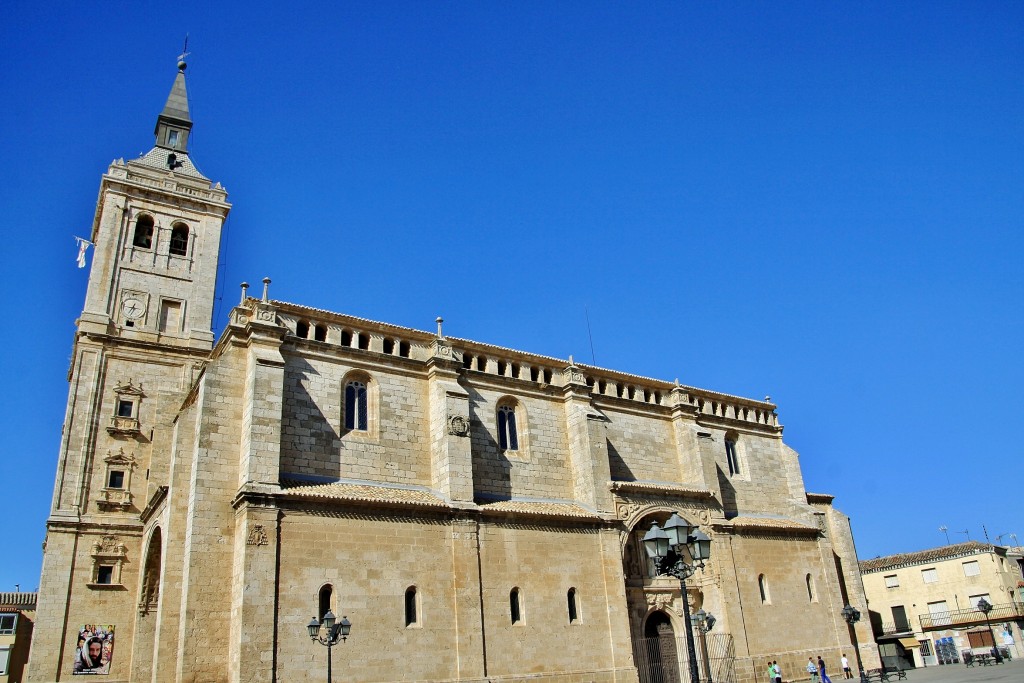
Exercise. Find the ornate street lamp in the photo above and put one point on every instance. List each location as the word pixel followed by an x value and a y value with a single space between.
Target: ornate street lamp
pixel 985 607
pixel 334 631
pixel 852 616
pixel 665 548
pixel 704 621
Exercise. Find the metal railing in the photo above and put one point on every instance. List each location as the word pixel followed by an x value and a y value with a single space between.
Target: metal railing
pixel 972 616
pixel 664 659
pixel 887 628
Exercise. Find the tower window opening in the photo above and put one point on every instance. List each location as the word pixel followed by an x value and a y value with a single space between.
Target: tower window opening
pixel 320 333
pixel 179 239
pixel 302 329
pixel 389 346
pixel 143 237
pixel 403 349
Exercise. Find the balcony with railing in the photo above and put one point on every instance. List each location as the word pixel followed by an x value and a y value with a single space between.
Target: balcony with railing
pixel 965 618
pixel 888 628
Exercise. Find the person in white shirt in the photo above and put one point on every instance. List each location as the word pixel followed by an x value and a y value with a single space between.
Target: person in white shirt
pixel 846 667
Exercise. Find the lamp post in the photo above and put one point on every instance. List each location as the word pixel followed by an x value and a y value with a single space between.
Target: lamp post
pixel 334 631
pixel 985 606
pixel 665 548
pixel 704 621
pixel 852 616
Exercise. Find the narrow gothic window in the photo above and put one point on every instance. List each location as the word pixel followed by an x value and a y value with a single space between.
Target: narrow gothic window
pixel 355 406
pixel 508 436
pixel 513 605
pixel 179 239
pixel 762 586
pixel 143 232
pixel 810 588
pixel 730 455
pixel 571 604
pixel 324 601
pixel 410 606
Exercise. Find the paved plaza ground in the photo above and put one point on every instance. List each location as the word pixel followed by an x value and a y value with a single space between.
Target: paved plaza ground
pixel 954 673
pixel 1008 672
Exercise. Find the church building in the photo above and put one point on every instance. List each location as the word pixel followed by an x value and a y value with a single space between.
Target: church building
pixel 473 513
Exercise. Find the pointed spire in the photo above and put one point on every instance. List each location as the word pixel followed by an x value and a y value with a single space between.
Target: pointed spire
pixel 174 123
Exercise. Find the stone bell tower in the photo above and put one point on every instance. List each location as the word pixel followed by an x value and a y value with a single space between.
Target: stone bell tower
pixel 142 337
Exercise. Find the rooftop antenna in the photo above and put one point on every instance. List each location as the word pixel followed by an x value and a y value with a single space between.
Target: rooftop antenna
pixel 945 529
pixel 983 528
pixel 965 531
pixel 590 334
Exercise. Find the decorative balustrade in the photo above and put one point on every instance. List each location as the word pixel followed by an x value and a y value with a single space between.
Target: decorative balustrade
pixel 491 361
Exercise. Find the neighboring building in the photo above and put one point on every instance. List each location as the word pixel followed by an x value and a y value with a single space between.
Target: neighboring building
pixel 476 512
pixel 924 604
pixel 17 614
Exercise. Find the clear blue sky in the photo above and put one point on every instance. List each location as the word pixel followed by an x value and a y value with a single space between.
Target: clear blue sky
pixel 818 201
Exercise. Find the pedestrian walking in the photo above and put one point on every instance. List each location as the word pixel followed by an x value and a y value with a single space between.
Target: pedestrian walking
pixel 812 669
pixel 822 672
pixel 846 666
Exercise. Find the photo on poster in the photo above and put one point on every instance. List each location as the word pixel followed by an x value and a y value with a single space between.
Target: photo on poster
pixel 95 650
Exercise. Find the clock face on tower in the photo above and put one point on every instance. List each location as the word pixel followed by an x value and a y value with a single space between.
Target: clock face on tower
pixel 132 308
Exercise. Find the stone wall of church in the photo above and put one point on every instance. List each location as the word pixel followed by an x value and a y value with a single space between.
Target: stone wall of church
pixel 395 448
pixel 538 468
pixel 641 447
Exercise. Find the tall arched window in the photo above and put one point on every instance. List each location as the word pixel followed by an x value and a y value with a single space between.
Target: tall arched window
pixel 411 613
pixel 356 412
pixel 514 606
pixel 143 236
pixel 150 598
pixel 570 599
pixel 179 239
pixel 810 588
pixel 508 431
pixel 762 585
pixel 731 456
pixel 324 600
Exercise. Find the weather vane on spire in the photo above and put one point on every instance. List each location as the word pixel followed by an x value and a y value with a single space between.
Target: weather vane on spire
pixel 184 53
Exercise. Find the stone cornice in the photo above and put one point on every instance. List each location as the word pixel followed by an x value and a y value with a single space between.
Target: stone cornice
pixel 154 502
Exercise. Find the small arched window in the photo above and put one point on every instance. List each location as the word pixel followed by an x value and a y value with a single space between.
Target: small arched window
pixel 508 431
pixel 515 607
pixel 411 613
pixel 179 239
pixel 302 329
pixel 324 601
pixel 762 586
pixel 731 456
pixel 570 599
pixel 356 410
pixel 320 332
pixel 143 237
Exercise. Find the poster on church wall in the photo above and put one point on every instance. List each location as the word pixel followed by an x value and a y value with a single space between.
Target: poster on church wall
pixel 95 650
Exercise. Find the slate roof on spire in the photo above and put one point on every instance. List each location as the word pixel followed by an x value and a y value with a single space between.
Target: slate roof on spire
pixel 177 102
